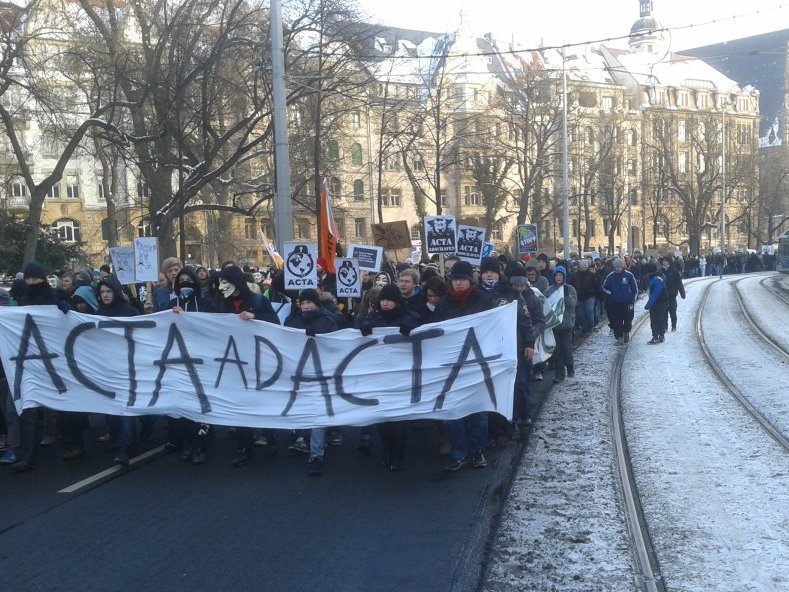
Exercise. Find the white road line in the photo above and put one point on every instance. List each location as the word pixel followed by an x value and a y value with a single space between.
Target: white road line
pixel 111 471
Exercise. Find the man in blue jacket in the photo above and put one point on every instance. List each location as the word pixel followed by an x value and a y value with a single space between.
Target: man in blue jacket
pixel 621 292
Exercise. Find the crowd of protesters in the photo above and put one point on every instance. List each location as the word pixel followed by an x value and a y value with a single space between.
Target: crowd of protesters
pixel 403 296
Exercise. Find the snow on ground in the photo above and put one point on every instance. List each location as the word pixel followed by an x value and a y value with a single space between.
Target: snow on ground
pixel 714 486
pixel 767 310
pixel 562 527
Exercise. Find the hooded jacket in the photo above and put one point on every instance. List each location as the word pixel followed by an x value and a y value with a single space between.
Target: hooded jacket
pixel 87 294
pixel 119 307
pixel 570 299
pixel 245 300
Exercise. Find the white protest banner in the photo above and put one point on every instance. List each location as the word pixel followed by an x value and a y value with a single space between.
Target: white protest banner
pixel 146 259
pixel 440 234
pixel 349 278
pixel 301 269
pixel 220 369
pixel 545 342
pixel 470 243
pixel 123 264
pixel 368 256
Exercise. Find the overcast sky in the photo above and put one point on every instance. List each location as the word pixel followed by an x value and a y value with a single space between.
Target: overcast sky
pixel 558 21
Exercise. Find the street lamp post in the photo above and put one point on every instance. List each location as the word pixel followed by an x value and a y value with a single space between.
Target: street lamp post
pixel 565 165
pixel 723 187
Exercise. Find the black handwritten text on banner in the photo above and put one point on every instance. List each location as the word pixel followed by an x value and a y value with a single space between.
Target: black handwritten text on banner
pixel 220 369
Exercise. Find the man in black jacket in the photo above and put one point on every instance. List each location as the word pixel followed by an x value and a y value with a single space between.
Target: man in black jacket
pixel 673 286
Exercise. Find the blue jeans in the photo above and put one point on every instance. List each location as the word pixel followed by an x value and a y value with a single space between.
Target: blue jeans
pixel 317 442
pixel 585 311
pixel 468 435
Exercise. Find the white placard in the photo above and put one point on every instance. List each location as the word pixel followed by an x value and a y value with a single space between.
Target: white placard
pixel 146 259
pixel 301 268
pixel 123 264
pixel 440 234
pixel 471 241
pixel 369 257
pixel 349 278
pixel 220 369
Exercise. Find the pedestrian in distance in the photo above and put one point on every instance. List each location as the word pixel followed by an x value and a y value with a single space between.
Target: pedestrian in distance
pixel 621 292
pixel 674 287
pixel 657 305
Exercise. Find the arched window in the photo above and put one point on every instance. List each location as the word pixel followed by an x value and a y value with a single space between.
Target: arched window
pixel 18 187
pixel 335 187
pixel 358 190
pixel 356 155
pixel 333 150
pixel 66 230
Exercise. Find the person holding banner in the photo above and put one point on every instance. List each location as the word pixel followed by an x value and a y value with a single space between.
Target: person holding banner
pixel 469 435
pixel 163 295
pixel 311 317
pixel 390 311
pixel 235 297
pixel 563 356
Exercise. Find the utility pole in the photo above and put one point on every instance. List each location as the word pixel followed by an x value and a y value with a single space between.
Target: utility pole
pixel 565 164
pixel 723 186
pixel 283 216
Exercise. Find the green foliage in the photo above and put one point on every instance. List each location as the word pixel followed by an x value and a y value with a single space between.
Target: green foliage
pixel 52 252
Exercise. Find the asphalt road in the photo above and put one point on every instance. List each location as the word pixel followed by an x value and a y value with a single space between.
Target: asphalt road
pixel 163 524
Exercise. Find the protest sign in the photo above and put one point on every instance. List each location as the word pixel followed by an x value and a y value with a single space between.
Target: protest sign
pixel 440 234
pixel 220 369
pixel 470 243
pixel 527 238
pixel 369 257
pixel 301 269
pixel 123 264
pixel 349 278
pixel 392 235
pixel 146 259
pixel 487 249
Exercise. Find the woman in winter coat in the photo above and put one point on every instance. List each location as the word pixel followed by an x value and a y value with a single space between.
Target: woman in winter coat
pixel 563 356
pixel 657 305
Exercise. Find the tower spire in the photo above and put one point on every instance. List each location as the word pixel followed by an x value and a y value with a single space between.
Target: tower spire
pixel 646 7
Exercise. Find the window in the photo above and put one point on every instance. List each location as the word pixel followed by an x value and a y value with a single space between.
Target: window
pixel 18 187
pixel 100 192
pixel 415 230
pixel 592 228
pixel 608 103
pixel 250 229
pixel 356 120
pixel 66 230
pixel 606 226
pixel 443 197
pixel 72 187
pixel 681 131
pixel 54 191
pixel 743 133
pixel 333 150
pixel 632 138
pixel 49 144
pixel 702 131
pixel 634 197
pixel 340 222
pixel 683 162
pixel 144 228
pixel 587 98
pixel 392 163
pixel 390 198
pixel 589 134
pixel 10 98
pixel 471 196
pixel 631 167
pixel 268 230
pixel 658 127
pixel 702 100
pixel 701 162
pixel 682 99
pixel 742 104
pixel 335 187
pixel 497 232
pixel 360 227
pixel 358 190
pixel 142 189
pixel 356 155
pixel 574 226
pixel 419 164
pixel 295 115
pixel 302 228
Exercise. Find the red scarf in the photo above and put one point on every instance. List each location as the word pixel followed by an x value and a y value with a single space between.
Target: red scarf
pixel 461 297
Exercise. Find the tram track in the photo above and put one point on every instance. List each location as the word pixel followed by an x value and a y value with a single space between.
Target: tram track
pixel 736 392
pixel 753 324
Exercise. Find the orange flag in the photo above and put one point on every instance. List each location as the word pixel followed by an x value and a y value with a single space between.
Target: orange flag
pixel 327 250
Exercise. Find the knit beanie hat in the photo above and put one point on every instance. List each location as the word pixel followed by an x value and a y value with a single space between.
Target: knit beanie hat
pixel 34 270
pixel 310 295
pixel 490 264
pixel 617 262
pixel 463 269
pixel 391 292
pixel 560 269
pixel 516 272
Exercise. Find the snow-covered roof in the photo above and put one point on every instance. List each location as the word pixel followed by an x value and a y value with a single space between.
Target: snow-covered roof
pixel 673 70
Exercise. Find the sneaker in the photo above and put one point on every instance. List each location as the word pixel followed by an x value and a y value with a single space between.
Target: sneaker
pixel 106 437
pixel 316 466
pixel 558 379
pixel 121 459
pixel 626 337
pixel 366 445
pixel 21 466
pixel 335 438
pixel 654 340
pixel 261 440
pixel 456 464
pixel 661 338
pixel 72 453
pixel 479 461
pixel 8 457
pixel 243 456
pixel 299 446
pixel 198 456
pixel 538 377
